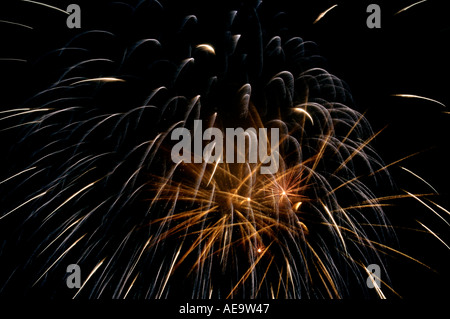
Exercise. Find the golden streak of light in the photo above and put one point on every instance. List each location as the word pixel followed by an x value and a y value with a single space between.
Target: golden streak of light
pixel 206 47
pixel 325 272
pixel 374 279
pixel 247 273
pixel 393 163
pixel 394 227
pixel 324 13
pixel 102 79
pixel 209 236
pixel 129 288
pixel 142 252
pixel 170 271
pixel 18 24
pixel 29 111
pixel 20 173
pixel 383 282
pixel 391 197
pixel 434 234
pixel 423 180
pixel 368 241
pixel 440 207
pixel 336 227
pixel 62 255
pixel 131 269
pixel 89 170
pixel 70 198
pixel 358 150
pixel 355 125
pixel 89 277
pixel 192 218
pixel 345 184
pixel 15 110
pixel 23 204
pixel 67 228
pixel 304 228
pixel 318 157
pixel 301 110
pixel 427 206
pixel 48 6
pixel 264 276
pixel 297 206
pixel 408 7
pixel 413 96
pixel 365 206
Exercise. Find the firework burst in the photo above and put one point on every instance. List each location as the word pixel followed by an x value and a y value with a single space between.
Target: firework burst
pixel 96 176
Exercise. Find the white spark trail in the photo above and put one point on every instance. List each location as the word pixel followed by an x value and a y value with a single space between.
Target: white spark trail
pixel 102 79
pixel 413 96
pixel 427 206
pixel 47 5
pixel 324 13
pixel 89 277
pixel 23 204
pixel 410 6
pixel 62 255
pixel 70 198
pixel 423 180
pixel 434 234
pixel 18 24
pixel 20 173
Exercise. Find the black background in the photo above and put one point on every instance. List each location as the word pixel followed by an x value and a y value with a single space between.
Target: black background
pixel 408 55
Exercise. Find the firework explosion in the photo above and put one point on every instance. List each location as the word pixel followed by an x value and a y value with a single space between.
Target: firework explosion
pixel 95 172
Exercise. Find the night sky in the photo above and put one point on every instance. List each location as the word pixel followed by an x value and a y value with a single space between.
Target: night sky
pixel 408 55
